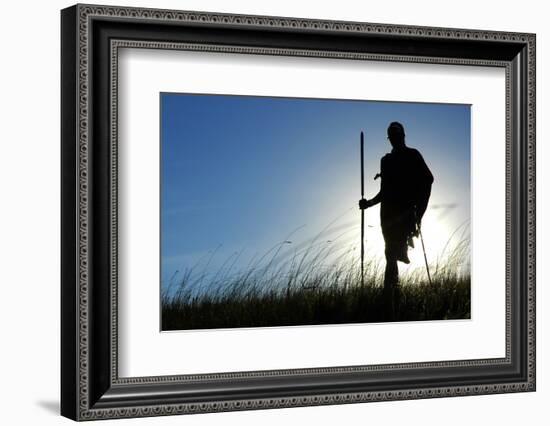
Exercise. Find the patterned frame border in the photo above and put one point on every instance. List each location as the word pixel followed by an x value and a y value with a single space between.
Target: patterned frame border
pixel 85 14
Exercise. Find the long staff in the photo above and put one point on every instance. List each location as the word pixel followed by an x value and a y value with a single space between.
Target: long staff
pixel 419 228
pixel 362 210
pixel 425 257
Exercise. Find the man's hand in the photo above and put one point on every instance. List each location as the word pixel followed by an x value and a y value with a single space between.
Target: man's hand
pixel 365 204
pixel 417 221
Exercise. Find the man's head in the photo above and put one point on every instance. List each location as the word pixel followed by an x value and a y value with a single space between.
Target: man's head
pixel 396 134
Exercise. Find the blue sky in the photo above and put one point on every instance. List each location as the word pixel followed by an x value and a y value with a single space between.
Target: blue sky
pixel 240 173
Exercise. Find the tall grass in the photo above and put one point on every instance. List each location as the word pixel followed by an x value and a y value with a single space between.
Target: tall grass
pixel 315 283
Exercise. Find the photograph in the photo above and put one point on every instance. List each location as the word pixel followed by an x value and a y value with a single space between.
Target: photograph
pixel 282 211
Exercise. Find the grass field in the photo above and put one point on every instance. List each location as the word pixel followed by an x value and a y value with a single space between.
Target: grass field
pixel 316 285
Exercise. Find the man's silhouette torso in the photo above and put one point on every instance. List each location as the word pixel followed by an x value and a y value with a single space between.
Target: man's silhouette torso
pixel 404 190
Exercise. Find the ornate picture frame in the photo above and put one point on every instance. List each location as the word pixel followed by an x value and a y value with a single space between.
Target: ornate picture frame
pixel 91 37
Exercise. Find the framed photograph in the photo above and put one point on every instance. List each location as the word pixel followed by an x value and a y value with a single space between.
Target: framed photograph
pixel 263 212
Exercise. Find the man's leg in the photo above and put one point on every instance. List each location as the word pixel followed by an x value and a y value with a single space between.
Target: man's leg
pixel 391 279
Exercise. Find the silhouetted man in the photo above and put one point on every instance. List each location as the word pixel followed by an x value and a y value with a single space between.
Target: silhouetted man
pixel 405 188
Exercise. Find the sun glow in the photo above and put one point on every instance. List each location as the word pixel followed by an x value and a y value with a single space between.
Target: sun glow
pixel 446 242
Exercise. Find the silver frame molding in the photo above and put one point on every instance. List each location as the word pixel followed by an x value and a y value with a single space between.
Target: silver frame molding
pixel 91 39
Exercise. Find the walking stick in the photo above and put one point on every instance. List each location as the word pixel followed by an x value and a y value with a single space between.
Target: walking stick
pixel 362 210
pixel 425 258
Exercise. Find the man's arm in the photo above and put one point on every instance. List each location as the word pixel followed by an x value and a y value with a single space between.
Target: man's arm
pixel 365 204
pixel 428 176
pixel 425 187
